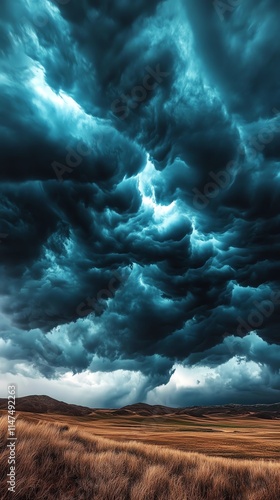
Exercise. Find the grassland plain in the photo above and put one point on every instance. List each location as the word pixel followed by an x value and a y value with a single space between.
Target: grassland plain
pixel 220 436
pixel 55 459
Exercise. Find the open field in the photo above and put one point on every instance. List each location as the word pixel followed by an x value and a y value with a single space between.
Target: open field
pixel 239 437
pixel 66 463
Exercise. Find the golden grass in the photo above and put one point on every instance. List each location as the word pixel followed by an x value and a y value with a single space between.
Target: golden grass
pixel 54 461
pixel 229 437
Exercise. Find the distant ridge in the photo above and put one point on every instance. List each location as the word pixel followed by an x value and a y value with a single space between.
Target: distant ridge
pixel 266 411
pixel 145 409
pixel 46 404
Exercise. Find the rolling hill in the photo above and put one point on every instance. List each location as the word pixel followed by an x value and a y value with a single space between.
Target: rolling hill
pixel 46 404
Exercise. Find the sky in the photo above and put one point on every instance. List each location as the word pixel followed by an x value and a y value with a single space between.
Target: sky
pixel 139 201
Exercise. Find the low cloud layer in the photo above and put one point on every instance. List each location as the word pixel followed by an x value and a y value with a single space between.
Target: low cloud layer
pixel 139 194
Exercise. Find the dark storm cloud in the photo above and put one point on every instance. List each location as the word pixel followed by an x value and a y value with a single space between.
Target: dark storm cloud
pixel 225 387
pixel 241 55
pixel 86 192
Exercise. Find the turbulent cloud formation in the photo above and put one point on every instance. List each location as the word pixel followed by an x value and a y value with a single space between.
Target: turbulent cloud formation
pixel 139 197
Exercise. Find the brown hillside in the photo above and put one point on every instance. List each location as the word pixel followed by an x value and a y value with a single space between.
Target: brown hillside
pixel 45 404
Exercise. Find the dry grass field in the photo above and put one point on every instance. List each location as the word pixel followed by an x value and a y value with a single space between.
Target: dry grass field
pixel 232 437
pixel 73 463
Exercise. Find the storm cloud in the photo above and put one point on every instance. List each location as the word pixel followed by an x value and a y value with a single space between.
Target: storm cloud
pixel 139 196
